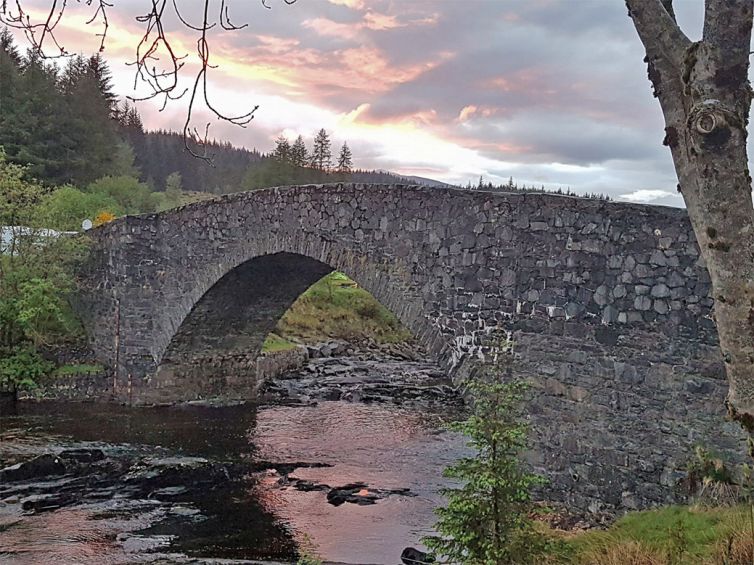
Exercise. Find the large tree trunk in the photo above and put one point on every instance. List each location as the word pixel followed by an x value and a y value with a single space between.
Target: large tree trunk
pixel 704 92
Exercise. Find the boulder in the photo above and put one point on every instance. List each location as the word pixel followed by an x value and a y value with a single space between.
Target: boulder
pixel 43 466
pixel 413 556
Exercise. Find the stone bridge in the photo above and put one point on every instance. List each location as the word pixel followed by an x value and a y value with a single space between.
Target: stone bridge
pixel 608 306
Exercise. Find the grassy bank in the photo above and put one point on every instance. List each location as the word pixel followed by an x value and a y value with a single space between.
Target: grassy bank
pixel 336 307
pixel 674 535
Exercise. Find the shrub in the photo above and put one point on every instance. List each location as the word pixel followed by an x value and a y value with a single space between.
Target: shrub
pixel 21 367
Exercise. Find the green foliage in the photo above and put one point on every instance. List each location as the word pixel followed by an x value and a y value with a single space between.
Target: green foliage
pixel 18 197
pixel 486 520
pixel 308 552
pixel 321 155
pixel 36 277
pixel 124 160
pixel 174 184
pixel 56 121
pixel 705 466
pixel 65 208
pixel 345 161
pixel 273 342
pixel 43 312
pixel 132 196
pixel 21 367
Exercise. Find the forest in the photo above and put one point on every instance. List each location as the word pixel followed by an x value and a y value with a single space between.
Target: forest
pixel 66 125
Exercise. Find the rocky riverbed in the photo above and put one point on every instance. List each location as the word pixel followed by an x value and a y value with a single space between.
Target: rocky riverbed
pixel 362 380
pixel 342 457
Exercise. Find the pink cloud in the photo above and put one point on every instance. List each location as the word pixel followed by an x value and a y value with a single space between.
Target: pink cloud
pixel 329 28
pixel 373 20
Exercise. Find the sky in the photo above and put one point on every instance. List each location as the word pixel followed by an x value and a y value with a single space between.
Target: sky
pixel 549 92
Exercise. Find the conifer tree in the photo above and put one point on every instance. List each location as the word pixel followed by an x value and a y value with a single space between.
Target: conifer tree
pixel 345 163
pixel 321 157
pixel 486 520
pixel 299 154
pixel 282 151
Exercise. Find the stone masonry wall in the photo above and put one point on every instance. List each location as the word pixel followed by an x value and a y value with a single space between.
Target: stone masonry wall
pixel 608 305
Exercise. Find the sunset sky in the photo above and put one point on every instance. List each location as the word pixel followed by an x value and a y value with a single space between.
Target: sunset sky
pixel 549 92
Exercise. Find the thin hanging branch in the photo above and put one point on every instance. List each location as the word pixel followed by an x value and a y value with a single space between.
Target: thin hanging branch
pixel 157 64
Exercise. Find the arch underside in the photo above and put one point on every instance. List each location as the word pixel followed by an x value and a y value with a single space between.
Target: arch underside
pixel 214 351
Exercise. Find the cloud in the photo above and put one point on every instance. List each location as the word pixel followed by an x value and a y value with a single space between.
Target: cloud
pixel 353 4
pixel 326 27
pixel 373 20
pixel 645 195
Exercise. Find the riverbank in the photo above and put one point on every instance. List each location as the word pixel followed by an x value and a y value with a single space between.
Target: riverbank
pixel 79 378
pixel 672 535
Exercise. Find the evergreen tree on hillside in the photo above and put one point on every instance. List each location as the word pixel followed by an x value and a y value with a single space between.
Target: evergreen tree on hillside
pixel 90 133
pixel 99 71
pixel 10 93
pixel 321 157
pixel 282 151
pixel 8 47
pixel 299 154
pixel 40 125
pixel 345 162
pixel 56 122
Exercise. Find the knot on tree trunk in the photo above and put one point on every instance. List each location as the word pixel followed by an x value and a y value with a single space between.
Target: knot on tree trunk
pixel 709 122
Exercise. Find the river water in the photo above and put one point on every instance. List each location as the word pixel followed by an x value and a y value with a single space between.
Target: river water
pixel 195 483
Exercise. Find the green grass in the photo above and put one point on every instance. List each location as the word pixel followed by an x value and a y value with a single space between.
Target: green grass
pixel 336 307
pixel 664 536
pixel 77 369
pixel 274 343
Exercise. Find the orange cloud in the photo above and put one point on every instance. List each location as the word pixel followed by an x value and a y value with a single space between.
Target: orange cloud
pixel 470 111
pixel 409 120
pixel 467 112
pixel 311 73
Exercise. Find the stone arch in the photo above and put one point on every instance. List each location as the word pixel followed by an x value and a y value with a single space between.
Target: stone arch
pixel 214 349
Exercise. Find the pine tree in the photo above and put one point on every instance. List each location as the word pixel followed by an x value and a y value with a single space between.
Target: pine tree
pixel 98 70
pixel 10 94
pixel 345 164
pixel 282 152
pixel 299 154
pixel 41 126
pixel 90 132
pixel 486 520
pixel 321 157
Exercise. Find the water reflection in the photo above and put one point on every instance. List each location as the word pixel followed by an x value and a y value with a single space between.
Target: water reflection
pixel 384 445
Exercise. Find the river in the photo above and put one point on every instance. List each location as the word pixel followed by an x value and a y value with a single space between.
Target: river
pixel 196 483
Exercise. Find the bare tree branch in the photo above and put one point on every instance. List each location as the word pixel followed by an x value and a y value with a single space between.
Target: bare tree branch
pixel 157 64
